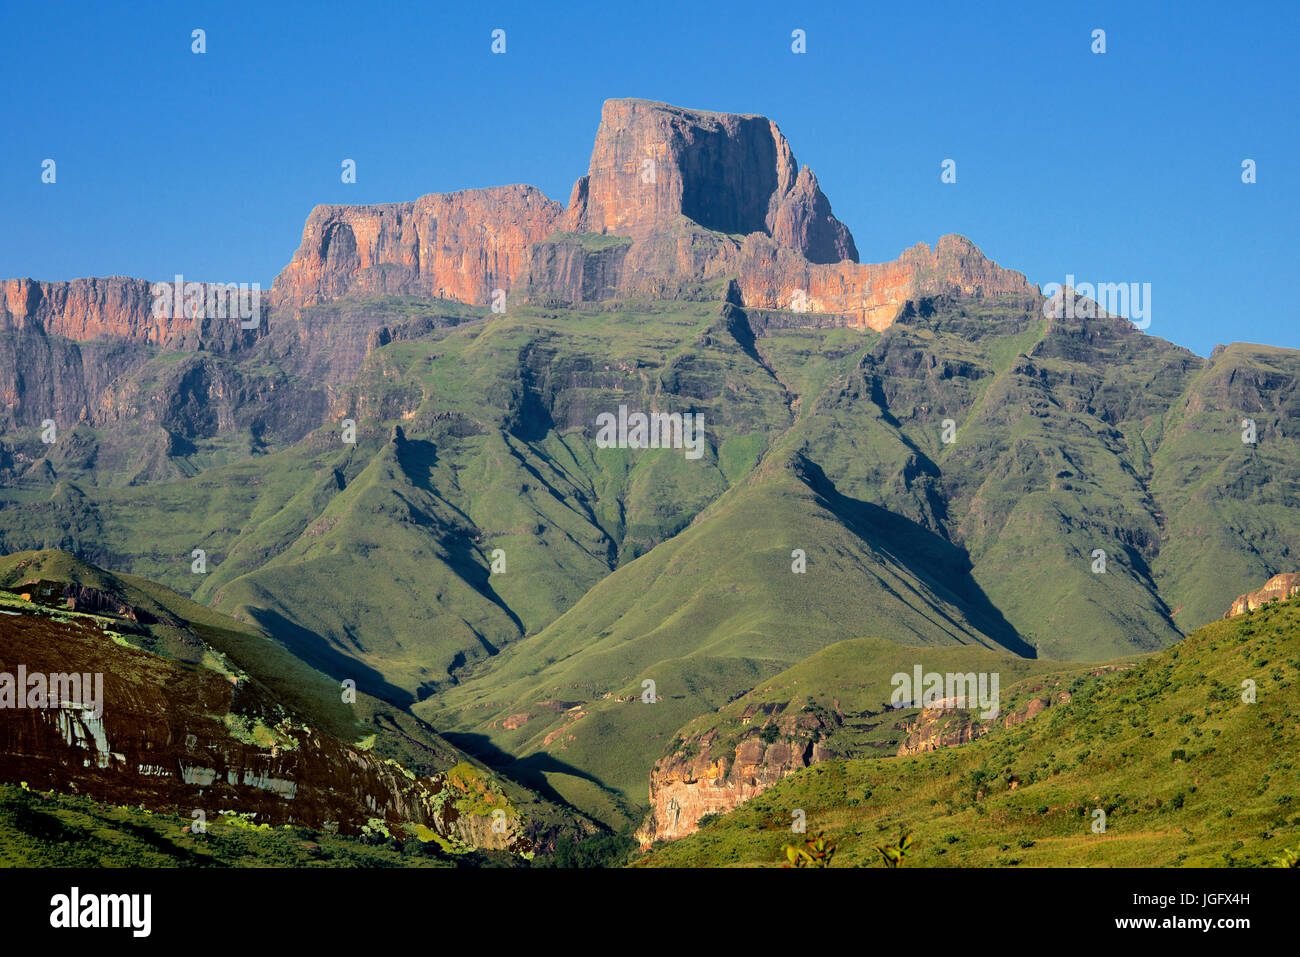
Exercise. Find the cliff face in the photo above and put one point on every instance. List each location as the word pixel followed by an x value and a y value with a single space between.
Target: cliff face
pixel 872 295
pixel 457 246
pixel 728 173
pixel 85 309
pixel 70 352
pixel 699 778
pixel 1278 588
pixel 672 198
pixel 703 195
pixel 114 308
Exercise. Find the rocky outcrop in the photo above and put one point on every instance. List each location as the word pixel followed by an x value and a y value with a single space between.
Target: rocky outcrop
pixel 459 246
pixel 872 295
pixel 703 775
pixel 729 173
pixel 673 198
pixel 684 790
pixel 704 195
pixel 949 722
pixel 114 308
pixel 1278 588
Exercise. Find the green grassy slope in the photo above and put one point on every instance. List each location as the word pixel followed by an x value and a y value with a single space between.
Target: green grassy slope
pixel 851 684
pixel 706 614
pixel 1229 506
pixel 1184 769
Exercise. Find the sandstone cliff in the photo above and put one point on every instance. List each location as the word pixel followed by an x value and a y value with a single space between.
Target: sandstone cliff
pixel 729 173
pixel 1278 588
pixel 116 307
pixel 691 781
pixel 672 198
pixel 457 246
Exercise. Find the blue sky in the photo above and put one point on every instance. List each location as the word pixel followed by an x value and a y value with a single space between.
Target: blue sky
pixel 1115 167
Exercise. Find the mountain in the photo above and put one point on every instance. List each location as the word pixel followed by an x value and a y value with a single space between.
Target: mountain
pixel 391 471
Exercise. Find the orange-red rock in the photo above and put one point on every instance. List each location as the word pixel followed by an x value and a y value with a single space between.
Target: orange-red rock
pixel 1278 588
pixel 458 246
pixel 730 173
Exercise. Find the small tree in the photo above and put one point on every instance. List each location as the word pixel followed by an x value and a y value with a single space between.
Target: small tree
pixel 894 853
pixel 815 852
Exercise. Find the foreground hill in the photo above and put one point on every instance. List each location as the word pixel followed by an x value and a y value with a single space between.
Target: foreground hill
pixel 839 703
pixel 1185 770
pixel 175 722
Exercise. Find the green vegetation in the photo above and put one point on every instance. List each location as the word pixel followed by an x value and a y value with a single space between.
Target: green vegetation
pixel 1026 795
pixel 814 852
pixel 50 830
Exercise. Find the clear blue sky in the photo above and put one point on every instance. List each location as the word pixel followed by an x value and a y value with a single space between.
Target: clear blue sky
pixel 1120 167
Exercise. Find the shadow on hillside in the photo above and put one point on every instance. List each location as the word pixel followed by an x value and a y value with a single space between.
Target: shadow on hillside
pixel 943 566
pixel 530 771
pixel 324 657
pixel 418 458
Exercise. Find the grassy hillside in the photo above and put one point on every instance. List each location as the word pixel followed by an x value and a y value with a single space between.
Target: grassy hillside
pixel 850 684
pixel 704 616
pixel 1186 772
pixel 53 830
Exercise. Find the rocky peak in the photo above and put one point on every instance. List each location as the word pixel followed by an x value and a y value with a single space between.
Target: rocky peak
pixel 727 172
pixel 696 196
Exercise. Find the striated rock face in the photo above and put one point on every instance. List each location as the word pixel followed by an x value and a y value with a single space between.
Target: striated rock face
pixel 771 277
pixel 729 173
pixel 447 245
pixel 683 791
pixel 1278 588
pixel 176 738
pixel 86 310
